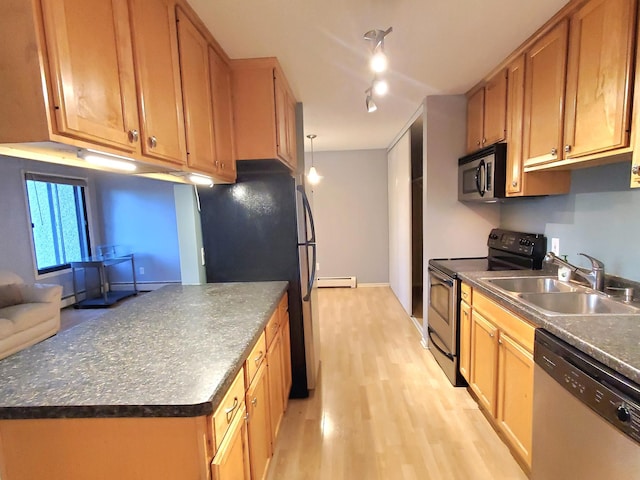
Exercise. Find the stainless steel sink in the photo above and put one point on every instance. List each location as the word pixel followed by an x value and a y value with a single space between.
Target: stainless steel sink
pixel 577 303
pixel 531 284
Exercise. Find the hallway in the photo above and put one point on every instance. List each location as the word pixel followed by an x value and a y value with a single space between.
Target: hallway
pixel 383 409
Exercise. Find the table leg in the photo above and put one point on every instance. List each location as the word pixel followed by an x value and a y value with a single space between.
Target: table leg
pixel 103 282
pixel 133 271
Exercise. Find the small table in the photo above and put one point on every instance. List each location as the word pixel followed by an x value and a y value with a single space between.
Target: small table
pixel 107 297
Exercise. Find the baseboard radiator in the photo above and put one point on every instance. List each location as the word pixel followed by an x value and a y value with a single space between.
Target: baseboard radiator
pixel 345 282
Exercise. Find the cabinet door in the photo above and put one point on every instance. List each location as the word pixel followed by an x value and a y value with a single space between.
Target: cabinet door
pixel 91 62
pixel 196 95
pixel 475 119
pixel 282 143
pixel 484 361
pixel 286 361
pixel 153 24
pixel 465 340
pixel 599 77
pixel 515 395
pixel 232 458
pixel 274 371
pixel 544 97
pixel 291 132
pixel 495 109
pixel 222 115
pixel 515 118
pixel 257 400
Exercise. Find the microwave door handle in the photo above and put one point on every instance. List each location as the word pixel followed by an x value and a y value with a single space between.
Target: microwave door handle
pixel 481 176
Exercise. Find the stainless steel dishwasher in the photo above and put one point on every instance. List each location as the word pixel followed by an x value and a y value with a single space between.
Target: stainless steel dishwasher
pixel 586 417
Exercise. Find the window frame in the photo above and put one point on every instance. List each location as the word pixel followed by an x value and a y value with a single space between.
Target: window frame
pixel 51 178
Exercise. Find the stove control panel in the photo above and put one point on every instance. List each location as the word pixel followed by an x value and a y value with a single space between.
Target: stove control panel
pixel 526 244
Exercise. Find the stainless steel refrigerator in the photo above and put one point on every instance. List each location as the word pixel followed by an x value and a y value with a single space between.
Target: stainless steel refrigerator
pixel 260 229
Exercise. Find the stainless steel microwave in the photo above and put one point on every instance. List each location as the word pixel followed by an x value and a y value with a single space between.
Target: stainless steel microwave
pixel 482 175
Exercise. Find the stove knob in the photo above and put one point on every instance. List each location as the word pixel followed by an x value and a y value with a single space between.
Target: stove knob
pixel 623 413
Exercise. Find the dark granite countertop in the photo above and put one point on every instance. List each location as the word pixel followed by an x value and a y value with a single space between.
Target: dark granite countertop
pixel 613 340
pixel 169 353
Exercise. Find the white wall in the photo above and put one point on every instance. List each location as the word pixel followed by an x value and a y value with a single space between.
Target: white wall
pixel 350 212
pixel 451 228
pixel 399 164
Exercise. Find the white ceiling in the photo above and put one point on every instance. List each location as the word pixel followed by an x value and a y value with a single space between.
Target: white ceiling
pixel 436 47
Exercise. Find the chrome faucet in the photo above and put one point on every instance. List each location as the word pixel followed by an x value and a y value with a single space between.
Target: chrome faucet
pixel 595 277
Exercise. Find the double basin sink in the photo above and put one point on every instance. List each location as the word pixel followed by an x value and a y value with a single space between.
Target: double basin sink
pixel 554 297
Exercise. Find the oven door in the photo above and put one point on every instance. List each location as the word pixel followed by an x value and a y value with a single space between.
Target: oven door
pixel 442 325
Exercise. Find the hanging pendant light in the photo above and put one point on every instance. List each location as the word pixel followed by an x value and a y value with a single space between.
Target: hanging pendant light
pixel 313 176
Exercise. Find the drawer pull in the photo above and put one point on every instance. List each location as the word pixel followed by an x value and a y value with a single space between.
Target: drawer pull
pixel 229 411
pixel 464 294
pixel 254 401
pixel 258 359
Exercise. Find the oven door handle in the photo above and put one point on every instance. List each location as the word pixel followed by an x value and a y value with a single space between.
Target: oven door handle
pixel 442 278
pixel 432 332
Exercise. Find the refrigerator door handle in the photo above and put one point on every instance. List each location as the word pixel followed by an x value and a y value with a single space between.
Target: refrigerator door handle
pixel 312 276
pixel 307 207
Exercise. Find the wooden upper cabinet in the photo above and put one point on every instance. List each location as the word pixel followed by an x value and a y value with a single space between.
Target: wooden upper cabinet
pixel 495 109
pixel 196 95
pixel 475 120
pixel 92 74
pixel 222 116
pixel 486 113
pixel 601 36
pixel 544 96
pixel 263 111
pixel 155 47
pixel 520 183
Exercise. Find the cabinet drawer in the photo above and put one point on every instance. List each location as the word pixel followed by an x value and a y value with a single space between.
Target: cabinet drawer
pixel 517 328
pixel 255 359
pixel 230 405
pixel 272 327
pixel 466 293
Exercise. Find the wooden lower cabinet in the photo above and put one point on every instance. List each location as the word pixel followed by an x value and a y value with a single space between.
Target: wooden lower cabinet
pixel 276 381
pixel 515 394
pixel 232 458
pixel 484 361
pixel 501 370
pixel 257 400
pixel 465 341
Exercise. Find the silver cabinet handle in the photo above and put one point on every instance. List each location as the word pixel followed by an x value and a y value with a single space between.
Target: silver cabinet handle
pixel 484 140
pixel 635 169
pixel 478 143
pixel 229 411
pixel 567 148
pixel 153 142
pixel 554 151
pixel 491 335
pixel 254 401
pixel 134 135
pixel 514 184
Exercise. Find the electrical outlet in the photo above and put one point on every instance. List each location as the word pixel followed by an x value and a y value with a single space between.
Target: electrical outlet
pixel 317 266
pixel 141 269
pixel 555 246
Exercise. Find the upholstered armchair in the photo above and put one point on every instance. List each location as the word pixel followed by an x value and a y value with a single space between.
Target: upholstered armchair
pixel 29 313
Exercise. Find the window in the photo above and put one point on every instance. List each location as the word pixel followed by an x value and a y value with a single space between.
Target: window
pixel 58 220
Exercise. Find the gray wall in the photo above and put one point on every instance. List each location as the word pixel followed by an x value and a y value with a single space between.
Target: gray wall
pixel 598 217
pixel 350 210
pixel 135 212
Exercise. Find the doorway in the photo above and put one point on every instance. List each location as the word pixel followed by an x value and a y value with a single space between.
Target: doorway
pixel 417 196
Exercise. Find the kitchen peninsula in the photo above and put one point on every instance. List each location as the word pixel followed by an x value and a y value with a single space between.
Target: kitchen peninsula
pixel 131 393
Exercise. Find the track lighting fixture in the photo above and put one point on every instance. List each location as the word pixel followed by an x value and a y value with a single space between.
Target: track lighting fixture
pixel 371 105
pixel 313 176
pixel 378 64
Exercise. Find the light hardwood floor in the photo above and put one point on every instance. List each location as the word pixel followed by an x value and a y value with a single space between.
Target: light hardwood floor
pixel 383 408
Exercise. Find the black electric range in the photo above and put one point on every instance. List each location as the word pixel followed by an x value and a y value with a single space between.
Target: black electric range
pixel 507 250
